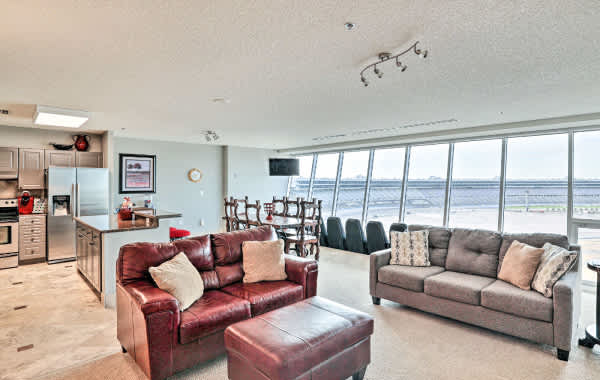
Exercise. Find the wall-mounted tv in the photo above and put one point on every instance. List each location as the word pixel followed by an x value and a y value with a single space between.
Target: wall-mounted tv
pixel 284 166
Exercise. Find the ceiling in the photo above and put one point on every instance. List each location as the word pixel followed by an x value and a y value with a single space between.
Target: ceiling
pixel 290 70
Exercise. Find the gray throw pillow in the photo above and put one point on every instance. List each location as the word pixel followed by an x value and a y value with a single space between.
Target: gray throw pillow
pixel 555 262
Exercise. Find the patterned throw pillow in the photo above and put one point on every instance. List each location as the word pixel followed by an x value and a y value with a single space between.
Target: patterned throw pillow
pixel 410 248
pixel 555 262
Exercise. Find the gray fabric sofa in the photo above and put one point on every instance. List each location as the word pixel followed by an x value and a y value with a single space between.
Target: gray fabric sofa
pixel 461 284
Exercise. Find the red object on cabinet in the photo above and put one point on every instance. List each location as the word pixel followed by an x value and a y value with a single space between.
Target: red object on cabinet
pixel 25 203
pixel 81 142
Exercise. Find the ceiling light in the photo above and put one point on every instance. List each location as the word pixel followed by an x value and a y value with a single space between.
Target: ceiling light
pixel 349 26
pixel 384 57
pixel 59 117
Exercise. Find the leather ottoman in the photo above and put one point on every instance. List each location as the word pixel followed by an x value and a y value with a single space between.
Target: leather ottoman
pixel 314 339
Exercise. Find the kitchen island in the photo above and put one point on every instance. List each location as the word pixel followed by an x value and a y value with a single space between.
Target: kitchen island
pixel 100 237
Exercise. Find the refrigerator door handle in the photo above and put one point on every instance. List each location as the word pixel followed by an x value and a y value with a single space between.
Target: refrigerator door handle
pixel 73 201
pixel 78 201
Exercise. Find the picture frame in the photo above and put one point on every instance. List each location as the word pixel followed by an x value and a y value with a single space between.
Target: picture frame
pixel 137 173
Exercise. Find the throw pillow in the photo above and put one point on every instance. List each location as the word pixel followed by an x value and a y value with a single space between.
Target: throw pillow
pixel 263 261
pixel 519 264
pixel 555 262
pixel 410 248
pixel 180 278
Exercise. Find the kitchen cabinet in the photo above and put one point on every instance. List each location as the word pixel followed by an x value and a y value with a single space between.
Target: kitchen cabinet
pixel 60 158
pixel 89 248
pixel 32 237
pixel 9 163
pixel 88 159
pixel 31 169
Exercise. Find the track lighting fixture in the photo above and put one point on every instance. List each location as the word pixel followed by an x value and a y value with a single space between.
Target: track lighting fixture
pixel 383 57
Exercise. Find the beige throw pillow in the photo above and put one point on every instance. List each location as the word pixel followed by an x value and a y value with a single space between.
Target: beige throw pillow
pixel 180 278
pixel 410 248
pixel 519 264
pixel 263 261
pixel 555 262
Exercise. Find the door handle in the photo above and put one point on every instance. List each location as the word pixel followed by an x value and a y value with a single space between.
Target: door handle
pixel 78 201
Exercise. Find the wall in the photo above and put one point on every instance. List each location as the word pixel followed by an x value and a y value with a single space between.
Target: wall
pixel 173 190
pixel 41 138
pixel 247 173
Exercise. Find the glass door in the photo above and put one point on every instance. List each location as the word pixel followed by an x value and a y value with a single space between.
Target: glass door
pixel 588 237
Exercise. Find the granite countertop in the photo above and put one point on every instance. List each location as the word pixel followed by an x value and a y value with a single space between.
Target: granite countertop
pixel 112 223
pixel 156 214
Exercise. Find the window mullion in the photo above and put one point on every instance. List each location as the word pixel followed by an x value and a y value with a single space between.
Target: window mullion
pixel 337 182
pixel 404 183
pixel 368 187
pixel 448 184
pixel 501 204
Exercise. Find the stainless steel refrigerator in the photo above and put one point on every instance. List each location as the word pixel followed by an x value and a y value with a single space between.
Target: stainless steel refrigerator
pixel 72 192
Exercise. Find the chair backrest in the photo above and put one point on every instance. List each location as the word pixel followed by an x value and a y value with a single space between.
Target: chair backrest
pixel 324 240
pixel 279 211
pixel 241 202
pixel 231 214
pixel 376 237
pixel 253 206
pixel 336 236
pixel 355 236
pixel 310 214
pixel 293 208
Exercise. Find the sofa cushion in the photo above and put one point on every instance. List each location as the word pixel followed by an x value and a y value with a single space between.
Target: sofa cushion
pixel 504 297
pixel 215 311
pixel 535 240
pixel 263 261
pixel 461 287
pixel 520 263
pixel 410 278
pixel 439 237
pixel 410 248
pixel 227 246
pixel 474 252
pixel 266 296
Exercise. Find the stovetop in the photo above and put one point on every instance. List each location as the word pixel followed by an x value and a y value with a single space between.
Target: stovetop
pixel 13 202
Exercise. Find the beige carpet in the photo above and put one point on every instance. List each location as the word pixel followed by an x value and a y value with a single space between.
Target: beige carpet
pixel 407 344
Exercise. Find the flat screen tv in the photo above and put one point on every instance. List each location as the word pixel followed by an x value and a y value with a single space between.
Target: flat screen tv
pixel 284 166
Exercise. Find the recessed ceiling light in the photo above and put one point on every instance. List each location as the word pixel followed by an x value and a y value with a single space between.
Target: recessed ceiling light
pixel 220 100
pixel 59 117
pixel 350 26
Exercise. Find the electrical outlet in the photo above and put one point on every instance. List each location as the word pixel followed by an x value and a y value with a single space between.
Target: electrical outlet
pixel 201 222
pixel 180 222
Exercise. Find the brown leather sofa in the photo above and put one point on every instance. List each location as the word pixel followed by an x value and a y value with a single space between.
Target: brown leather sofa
pixel 163 340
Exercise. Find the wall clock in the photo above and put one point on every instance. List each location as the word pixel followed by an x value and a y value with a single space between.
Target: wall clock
pixel 195 175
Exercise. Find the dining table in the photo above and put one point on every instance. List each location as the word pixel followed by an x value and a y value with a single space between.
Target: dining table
pixel 277 222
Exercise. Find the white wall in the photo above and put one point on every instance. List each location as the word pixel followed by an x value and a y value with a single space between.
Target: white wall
pixel 247 173
pixel 173 189
pixel 41 138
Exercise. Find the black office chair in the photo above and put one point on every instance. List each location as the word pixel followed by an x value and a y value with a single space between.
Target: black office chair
pixel 324 242
pixel 355 236
pixel 400 227
pixel 336 236
pixel 377 239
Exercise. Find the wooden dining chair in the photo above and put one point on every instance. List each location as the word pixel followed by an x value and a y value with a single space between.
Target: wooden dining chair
pixel 240 214
pixel 279 211
pixel 292 208
pixel 249 218
pixel 231 217
pixel 307 240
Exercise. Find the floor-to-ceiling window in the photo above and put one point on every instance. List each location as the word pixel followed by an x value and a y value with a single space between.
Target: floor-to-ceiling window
pixel 536 184
pixel 324 182
pixel 426 186
pixel 353 180
pixel 299 184
pixel 475 187
pixel 386 186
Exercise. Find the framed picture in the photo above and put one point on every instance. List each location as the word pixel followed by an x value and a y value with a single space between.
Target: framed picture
pixel 137 173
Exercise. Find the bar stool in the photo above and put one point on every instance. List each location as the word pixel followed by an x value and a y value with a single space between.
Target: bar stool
pixel 177 234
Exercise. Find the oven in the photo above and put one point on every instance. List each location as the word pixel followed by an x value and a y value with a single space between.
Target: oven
pixel 9 233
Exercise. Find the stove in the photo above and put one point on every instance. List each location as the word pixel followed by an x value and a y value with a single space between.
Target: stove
pixel 9 233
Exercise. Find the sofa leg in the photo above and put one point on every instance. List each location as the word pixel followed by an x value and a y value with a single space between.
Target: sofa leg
pixel 562 354
pixel 360 374
pixel 123 349
pixel 376 300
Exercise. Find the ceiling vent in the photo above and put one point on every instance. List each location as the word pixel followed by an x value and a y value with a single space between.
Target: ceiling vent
pixel 387 130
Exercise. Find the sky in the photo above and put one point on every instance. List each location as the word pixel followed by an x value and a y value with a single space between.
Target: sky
pixel 537 157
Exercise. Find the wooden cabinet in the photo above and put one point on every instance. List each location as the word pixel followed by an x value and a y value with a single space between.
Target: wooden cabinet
pixel 89 255
pixel 60 158
pixel 31 169
pixel 9 163
pixel 88 159
pixel 32 237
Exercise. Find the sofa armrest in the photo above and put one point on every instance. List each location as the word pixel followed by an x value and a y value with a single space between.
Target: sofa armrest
pixel 304 272
pixel 147 326
pixel 378 259
pixel 566 295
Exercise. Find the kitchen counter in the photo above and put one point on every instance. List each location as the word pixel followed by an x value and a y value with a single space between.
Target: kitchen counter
pixel 101 237
pixel 112 223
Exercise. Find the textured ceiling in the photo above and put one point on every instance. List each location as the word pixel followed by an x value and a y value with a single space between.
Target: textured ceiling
pixel 290 69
